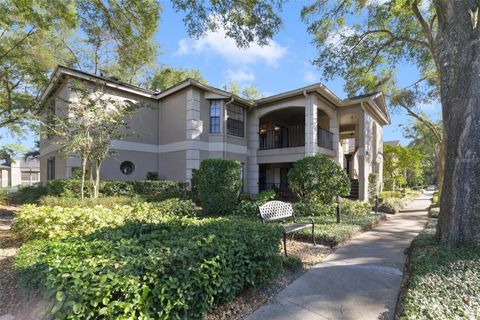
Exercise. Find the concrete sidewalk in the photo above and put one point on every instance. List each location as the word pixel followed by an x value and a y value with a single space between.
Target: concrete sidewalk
pixel 360 280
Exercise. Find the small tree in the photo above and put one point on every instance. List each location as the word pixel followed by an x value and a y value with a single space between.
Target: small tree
pixel 219 185
pixel 318 178
pixel 87 126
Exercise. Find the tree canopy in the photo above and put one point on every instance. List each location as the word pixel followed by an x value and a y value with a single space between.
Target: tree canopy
pixel 111 37
pixel 167 77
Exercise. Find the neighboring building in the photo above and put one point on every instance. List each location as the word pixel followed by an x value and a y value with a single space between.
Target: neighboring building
pixel 395 143
pixel 179 127
pixel 20 172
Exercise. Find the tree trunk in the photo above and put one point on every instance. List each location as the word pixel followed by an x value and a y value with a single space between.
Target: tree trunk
pixel 84 169
pixel 96 186
pixel 458 56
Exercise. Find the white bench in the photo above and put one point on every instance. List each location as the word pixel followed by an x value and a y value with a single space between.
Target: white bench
pixel 279 210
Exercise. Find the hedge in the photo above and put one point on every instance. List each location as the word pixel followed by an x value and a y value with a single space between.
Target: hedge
pixel 175 269
pixel 219 185
pixel 44 222
pixel 153 190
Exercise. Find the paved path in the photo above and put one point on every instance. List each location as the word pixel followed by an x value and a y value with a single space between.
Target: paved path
pixel 360 280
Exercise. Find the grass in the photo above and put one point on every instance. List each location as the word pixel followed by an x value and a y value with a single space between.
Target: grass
pixel 328 232
pixel 443 284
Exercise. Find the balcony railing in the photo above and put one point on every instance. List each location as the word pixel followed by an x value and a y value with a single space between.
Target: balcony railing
pixel 282 137
pixel 287 137
pixel 325 139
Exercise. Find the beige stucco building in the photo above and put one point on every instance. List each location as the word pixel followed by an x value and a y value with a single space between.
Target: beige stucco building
pixel 179 127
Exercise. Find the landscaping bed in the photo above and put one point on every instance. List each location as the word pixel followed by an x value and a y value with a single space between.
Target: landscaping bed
pixel 442 284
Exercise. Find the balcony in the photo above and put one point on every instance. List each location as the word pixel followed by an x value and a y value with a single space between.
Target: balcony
pixel 324 139
pixel 292 137
pixel 282 137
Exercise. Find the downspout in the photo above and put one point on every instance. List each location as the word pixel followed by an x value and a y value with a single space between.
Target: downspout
pixel 225 127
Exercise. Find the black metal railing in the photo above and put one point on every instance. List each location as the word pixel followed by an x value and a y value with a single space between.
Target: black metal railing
pixel 324 139
pixel 282 192
pixel 283 137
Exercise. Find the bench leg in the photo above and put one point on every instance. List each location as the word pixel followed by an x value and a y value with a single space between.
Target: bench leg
pixel 313 234
pixel 285 243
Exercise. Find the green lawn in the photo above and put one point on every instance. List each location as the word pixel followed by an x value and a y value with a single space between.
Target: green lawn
pixel 443 284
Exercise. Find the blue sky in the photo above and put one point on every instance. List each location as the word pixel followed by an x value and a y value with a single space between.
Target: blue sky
pixel 283 65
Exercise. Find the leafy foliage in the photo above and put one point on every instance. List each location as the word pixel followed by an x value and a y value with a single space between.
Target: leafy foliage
pixel 97 36
pixel 167 77
pixel 245 22
pixel 219 185
pixel 443 283
pixel 45 222
pixel 402 166
pixel 30 194
pixel 108 202
pixel 175 269
pixel 249 207
pixel 318 178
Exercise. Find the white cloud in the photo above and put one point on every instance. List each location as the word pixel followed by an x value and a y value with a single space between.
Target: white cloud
pixel 217 43
pixel 240 75
pixel 311 77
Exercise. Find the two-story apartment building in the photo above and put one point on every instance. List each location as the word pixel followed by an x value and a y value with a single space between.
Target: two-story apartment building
pixel 177 128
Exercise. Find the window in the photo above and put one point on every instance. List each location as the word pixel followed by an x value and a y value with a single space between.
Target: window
pixel 51 169
pixel 25 176
pixel 235 121
pixel 127 167
pixel 215 107
pixel 35 177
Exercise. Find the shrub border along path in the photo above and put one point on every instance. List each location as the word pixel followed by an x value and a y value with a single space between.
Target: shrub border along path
pixel 360 280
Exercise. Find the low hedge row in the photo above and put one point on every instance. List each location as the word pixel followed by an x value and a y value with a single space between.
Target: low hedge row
pixel 45 222
pixel 177 268
pixel 443 283
pixel 152 190
pixel 108 202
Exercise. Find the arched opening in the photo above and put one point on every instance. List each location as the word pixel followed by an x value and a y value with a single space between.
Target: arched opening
pixel 283 128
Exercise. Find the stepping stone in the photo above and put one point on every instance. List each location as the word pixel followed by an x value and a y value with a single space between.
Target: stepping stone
pixel 7 317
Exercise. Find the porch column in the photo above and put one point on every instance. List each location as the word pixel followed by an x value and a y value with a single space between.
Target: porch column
pixel 362 158
pixel 194 130
pixel 311 125
pixel 252 174
pixel 335 129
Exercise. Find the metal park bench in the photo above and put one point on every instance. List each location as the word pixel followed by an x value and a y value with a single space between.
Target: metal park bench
pixel 279 210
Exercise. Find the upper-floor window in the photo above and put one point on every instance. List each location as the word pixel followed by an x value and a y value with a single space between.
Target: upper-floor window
pixel 235 120
pixel 215 107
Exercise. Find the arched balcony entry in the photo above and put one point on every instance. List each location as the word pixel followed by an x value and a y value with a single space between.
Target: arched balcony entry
pixel 285 128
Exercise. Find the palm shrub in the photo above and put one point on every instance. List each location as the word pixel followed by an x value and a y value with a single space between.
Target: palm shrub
pixel 219 185
pixel 318 178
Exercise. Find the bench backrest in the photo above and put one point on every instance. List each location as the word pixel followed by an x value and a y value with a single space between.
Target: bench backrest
pixel 276 210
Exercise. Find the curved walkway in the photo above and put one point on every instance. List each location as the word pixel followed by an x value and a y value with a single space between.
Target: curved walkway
pixel 360 280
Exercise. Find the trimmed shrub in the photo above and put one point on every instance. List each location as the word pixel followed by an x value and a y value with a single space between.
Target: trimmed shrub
pixel 176 269
pixel 151 190
pixel 30 194
pixel 34 222
pixel 152 175
pixel 318 178
pixel 355 207
pixel 313 209
pixel 219 185
pixel 249 207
